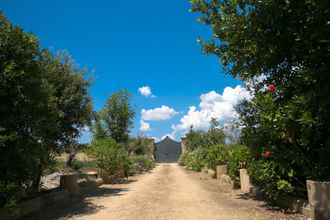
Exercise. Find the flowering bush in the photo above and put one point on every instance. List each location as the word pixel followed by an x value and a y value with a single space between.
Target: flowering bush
pixel 267 154
pixel 272 88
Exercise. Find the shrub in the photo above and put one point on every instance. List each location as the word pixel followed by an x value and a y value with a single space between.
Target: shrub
pixel 195 160
pixel 140 163
pixel 273 180
pixel 77 164
pixel 238 158
pixel 140 146
pixel 216 155
pixel 183 158
pixel 110 156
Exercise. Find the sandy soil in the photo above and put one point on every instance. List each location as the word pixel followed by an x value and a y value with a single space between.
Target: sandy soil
pixel 168 192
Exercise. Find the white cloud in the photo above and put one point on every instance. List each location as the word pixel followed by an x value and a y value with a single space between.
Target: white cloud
pixel 144 126
pixel 146 91
pixel 212 105
pixel 156 139
pixel 171 135
pixel 158 114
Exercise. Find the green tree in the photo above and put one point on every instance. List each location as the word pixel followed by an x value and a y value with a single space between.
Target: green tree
pixel 215 134
pixel 286 43
pixel 116 118
pixel 44 104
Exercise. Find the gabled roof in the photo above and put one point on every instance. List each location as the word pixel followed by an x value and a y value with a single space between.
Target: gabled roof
pixel 168 140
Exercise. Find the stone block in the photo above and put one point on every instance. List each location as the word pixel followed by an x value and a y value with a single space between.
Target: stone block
pixel 319 199
pixel 226 183
pixel 211 173
pixel 245 181
pixel 69 182
pixel 319 214
pixel 221 170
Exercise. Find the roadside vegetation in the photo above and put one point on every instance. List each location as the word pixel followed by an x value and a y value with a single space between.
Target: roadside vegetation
pixel 45 106
pixel 280 50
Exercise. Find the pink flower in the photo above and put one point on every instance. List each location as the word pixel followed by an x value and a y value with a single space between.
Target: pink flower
pixel 271 88
pixel 267 154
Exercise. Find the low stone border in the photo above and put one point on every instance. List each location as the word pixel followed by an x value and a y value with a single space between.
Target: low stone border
pixel 36 204
pixel 55 196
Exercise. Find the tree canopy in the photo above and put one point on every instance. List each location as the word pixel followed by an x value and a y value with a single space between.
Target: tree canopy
pixel 116 118
pixel 281 48
pixel 44 103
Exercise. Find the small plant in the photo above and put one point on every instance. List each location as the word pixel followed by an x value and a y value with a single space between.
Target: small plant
pixel 111 158
pixel 195 160
pixel 274 180
pixel 140 163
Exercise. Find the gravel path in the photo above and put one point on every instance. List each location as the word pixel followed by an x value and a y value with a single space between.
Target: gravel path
pixel 168 192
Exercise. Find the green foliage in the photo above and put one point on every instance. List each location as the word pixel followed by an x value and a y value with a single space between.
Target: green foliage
pixel 216 155
pixel 239 157
pixel 116 118
pixel 44 104
pixel 285 43
pixel 194 160
pixel 141 146
pixel 275 181
pixel 194 140
pixel 204 148
pixel 140 163
pixel 110 156
pixel 197 139
pixel 77 164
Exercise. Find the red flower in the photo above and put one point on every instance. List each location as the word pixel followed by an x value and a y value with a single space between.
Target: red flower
pixel 267 154
pixel 271 88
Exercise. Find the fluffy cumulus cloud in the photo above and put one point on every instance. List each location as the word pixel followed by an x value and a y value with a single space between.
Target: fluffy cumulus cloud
pixel 146 91
pixel 212 105
pixel 144 126
pixel 158 114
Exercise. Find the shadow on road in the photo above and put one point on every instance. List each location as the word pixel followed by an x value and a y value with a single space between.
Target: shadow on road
pixel 77 205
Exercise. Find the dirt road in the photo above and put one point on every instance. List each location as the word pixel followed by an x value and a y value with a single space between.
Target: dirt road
pixel 168 192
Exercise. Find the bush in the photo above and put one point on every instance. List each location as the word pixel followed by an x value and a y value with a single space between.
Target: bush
pixel 110 156
pixel 140 146
pixel 195 160
pixel 77 164
pixel 216 155
pixel 140 163
pixel 183 158
pixel 238 158
pixel 274 183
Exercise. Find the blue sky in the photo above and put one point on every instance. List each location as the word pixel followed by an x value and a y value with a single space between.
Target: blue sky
pixel 130 44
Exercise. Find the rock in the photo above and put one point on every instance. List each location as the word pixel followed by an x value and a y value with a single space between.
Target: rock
pixel 245 181
pixel 225 180
pixel 51 181
pixel 211 173
pixel 221 170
